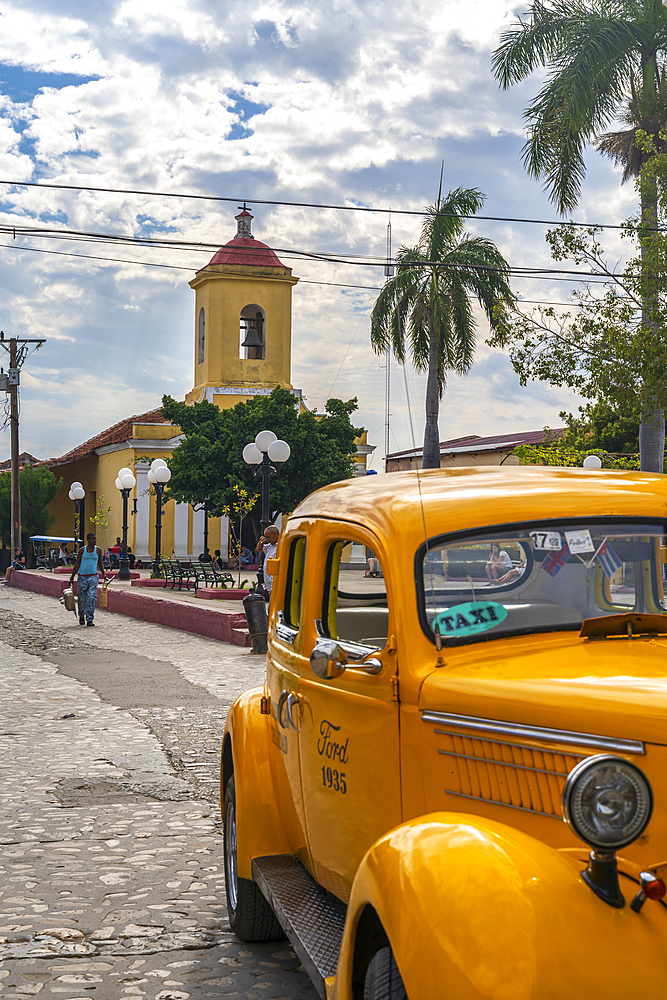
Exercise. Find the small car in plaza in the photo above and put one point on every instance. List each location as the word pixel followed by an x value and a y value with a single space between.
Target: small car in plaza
pixel 453 783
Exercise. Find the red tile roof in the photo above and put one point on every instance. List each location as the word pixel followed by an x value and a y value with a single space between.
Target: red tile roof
pixel 122 431
pixel 473 442
pixel 25 458
pixel 246 251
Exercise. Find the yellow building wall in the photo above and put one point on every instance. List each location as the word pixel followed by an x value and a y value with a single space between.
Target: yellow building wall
pixel 228 400
pixel 155 432
pixel 500 456
pixel 97 474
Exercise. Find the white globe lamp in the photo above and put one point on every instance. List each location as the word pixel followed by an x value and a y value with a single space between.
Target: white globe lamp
pixel 265 439
pixel 162 474
pixel 279 451
pixel 251 454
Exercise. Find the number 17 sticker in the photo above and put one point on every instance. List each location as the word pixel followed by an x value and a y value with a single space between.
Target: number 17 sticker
pixel 546 540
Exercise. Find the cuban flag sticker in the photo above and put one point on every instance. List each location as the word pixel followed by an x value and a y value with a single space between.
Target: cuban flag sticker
pixel 608 559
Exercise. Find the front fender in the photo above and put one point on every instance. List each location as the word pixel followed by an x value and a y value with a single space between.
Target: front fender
pixel 246 749
pixel 476 910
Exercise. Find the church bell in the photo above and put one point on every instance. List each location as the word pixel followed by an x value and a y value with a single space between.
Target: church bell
pixel 252 337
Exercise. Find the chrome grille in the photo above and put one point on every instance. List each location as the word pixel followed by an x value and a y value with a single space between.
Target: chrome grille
pixel 507 774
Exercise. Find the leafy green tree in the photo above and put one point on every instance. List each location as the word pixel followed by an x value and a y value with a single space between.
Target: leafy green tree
pixel 603 426
pixel 38 488
pixel 425 310
pixel 208 464
pixel 563 457
pixel 601 346
pixel 605 60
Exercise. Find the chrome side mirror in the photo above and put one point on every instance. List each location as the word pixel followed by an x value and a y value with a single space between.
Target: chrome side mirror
pixel 328 660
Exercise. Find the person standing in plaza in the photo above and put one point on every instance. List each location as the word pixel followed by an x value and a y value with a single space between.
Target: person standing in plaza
pixel 88 564
pixel 268 549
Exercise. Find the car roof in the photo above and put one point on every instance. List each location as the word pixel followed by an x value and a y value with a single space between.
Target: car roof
pixel 455 499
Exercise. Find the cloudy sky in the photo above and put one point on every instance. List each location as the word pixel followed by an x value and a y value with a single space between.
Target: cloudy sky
pixel 352 102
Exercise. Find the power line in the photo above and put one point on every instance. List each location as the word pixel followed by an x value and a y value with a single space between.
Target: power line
pixel 517 270
pixel 330 257
pixel 318 205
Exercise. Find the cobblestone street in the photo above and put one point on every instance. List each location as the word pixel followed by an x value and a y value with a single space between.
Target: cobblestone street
pixel 112 881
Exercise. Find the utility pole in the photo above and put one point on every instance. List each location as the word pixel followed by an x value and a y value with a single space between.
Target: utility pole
pixel 14 432
pixel 389 273
pixel 17 348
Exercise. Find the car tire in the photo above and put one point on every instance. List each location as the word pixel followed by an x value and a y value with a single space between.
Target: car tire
pixel 383 980
pixel 250 916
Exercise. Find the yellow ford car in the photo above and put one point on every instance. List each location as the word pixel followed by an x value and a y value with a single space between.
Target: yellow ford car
pixel 453 783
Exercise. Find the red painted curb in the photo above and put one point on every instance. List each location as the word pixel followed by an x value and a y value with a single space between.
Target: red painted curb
pixel 218 594
pixel 226 626
pixel 65 570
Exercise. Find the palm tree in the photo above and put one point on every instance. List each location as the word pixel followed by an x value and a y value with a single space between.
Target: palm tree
pixel 606 58
pixel 428 302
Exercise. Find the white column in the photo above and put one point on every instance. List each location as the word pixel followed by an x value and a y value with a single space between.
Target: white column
pixel 143 515
pixel 181 529
pixel 224 538
pixel 197 532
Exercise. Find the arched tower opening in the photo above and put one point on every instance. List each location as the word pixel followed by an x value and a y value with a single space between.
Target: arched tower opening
pixel 201 336
pixel 252 333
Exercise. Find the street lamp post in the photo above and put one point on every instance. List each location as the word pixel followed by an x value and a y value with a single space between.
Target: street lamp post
pixel 158 476
pixel 204 506
pixel 77 494
pixel 125 483
pixel 266 456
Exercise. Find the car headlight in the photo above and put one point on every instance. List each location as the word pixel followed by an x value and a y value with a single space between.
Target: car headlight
pixel 607 802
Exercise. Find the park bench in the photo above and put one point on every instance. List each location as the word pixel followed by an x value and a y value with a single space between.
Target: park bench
pixel 170 572
pixel 187 574
pixel 176 572
pixel 208 576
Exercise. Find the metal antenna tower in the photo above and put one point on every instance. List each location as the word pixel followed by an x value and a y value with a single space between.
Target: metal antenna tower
pixel 389 273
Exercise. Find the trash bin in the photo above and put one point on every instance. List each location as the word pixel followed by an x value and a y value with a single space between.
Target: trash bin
pixel 258 626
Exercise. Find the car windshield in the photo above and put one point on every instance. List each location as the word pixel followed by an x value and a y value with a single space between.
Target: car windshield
pixel 541 576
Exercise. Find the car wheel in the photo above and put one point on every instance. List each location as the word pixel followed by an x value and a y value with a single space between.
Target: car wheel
pixel 383 980
pixel 250 916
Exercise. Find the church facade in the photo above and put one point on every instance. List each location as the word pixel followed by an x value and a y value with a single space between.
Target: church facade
pixel 243 348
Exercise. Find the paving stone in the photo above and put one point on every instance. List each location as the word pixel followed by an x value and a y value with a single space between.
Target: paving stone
pixel 111 875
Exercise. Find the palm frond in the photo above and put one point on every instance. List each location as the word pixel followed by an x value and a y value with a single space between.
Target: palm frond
pixel 529 44
pixel 646 109
pixel 591 49
pixel 431 292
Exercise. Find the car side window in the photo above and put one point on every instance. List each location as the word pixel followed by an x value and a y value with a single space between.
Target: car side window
pixel 294 587
pixel 354 606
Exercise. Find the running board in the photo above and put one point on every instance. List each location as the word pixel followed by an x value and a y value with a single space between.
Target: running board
pixel 312 918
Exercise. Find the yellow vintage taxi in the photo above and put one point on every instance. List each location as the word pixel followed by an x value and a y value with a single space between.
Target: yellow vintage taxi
pixel 453 783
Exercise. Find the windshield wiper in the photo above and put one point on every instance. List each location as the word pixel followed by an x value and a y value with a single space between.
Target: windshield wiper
pixel 630 624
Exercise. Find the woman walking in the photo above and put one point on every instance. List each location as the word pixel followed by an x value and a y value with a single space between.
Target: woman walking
pixel 88 564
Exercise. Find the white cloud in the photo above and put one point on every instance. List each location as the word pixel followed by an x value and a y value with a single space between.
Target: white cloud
pixel 345 102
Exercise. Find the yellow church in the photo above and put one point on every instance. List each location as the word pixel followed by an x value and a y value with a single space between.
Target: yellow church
pixel 243 348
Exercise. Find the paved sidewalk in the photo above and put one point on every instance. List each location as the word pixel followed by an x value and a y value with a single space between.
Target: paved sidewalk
pixel 111 875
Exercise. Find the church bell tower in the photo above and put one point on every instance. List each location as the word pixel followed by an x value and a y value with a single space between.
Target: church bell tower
pixel 243 321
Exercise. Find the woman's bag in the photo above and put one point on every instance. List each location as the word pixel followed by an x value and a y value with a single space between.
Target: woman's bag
pixel 68 600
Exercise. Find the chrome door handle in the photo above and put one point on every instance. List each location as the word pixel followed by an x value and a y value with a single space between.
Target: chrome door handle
pixel 292 700
pixel 281 704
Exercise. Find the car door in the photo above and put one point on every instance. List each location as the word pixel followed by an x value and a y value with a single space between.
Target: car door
pixel 348 726
pixel 283 668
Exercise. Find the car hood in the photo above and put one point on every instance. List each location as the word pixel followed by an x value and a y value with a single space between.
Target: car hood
pixel 609 687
